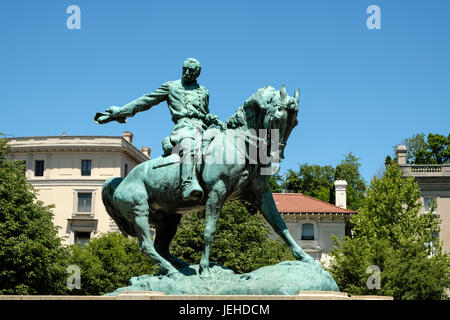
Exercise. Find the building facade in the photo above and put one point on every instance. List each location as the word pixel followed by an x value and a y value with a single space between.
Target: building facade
pixel 69 171
pixel 312 222
pixel 434 184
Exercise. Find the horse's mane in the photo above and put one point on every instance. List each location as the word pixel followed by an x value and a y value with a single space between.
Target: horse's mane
pixel 237 120
pixel 257 104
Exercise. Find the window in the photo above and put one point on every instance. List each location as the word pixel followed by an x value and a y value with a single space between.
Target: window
pixel 307 231
pixel 82 238
pixel 84 201
pixel 39 168
pixel 126 170
pixel 86 167
pixel 427 203
pixel 430 245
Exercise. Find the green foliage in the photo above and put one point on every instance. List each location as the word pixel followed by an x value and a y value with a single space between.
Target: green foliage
pixel 348 170
pixel 433 150
pixel 32 259
pixel 108 262
pixel 312 180
pixel 318 181
pixel 241 241
pixel 276 183
pixel 351 260
pixel 388 160
pixel 391 232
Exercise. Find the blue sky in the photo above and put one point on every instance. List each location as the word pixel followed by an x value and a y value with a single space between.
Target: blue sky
pixel 362 91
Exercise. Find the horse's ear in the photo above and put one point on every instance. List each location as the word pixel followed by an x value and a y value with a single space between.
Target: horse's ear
pixel 297 96
pixel 283 93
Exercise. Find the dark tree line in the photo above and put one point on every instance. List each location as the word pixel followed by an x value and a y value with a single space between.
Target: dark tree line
pixel 318 181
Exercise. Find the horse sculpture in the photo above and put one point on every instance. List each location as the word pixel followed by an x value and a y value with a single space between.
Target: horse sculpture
pixel 151 195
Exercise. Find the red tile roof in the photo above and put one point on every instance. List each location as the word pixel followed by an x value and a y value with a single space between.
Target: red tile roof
pixel 299 203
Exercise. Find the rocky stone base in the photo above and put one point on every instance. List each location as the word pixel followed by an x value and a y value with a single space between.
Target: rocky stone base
pixel 285 278
pixel 150 295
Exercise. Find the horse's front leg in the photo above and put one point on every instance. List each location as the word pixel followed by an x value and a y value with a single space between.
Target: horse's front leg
pixel 214 204
pixel 266 205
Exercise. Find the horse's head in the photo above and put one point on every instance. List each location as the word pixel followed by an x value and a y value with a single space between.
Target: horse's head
pixel 281 116
pixel 271 110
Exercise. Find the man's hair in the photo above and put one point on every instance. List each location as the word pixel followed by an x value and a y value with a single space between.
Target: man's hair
pixel 192 63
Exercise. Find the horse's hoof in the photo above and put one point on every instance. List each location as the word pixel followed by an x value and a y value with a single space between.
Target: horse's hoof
pixel 175 275
pixel 178 263
pixel 306 258
pixel 205 276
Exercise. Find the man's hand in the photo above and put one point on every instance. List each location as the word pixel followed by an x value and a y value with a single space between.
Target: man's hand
pixel 213 119
pixel 112 113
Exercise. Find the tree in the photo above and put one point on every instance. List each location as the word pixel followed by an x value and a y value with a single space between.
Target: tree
pixel 433 150
pixel 109 262
pixel 390 232
pixel 348 170
pixel 241 241
pixel 388 160
pixel 312 180
pixel 416 147
pixel 318 181
pixel 439 147
pixel 32 258
pixel 276 183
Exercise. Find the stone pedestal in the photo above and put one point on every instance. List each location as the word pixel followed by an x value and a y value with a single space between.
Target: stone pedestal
pixel 150 295
pixel 285 278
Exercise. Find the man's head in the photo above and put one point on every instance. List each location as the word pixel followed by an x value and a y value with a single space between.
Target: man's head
pixel 191 69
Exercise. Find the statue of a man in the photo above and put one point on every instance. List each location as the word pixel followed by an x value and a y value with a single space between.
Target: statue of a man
pixel 188 104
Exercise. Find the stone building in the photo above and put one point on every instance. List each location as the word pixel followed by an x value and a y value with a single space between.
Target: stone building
pixel 69 171
pixel 312 221
pixel 434 184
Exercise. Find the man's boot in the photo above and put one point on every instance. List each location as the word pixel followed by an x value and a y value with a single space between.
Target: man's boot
pixel 189 184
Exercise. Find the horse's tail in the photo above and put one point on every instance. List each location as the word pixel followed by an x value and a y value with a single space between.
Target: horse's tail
pixel 125 226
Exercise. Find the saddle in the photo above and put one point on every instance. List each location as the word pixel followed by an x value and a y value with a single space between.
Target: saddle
pixel 171 156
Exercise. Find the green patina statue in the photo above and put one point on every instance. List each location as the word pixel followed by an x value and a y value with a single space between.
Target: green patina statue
pixel 188 104
pixel 205 163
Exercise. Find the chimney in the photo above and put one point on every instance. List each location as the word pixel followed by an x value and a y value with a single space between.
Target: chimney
pixel 146 151
pixel 401 154
pixel 127 135
pixel 341 193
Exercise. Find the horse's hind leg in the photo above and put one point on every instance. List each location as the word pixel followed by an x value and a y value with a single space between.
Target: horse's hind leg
pixel 165 231
pixel 145 240
pixel 214 204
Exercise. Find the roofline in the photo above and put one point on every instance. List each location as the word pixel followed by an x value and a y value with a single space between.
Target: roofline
pixel 125 146
pixel 319 212
pixel 324 202
pixel 61 136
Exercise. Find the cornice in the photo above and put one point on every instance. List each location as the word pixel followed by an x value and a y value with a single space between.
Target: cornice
pixel 49 144
pixel 66 182
pixel 434 180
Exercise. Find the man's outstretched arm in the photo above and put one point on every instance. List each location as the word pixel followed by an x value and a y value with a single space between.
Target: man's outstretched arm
pixel 140 104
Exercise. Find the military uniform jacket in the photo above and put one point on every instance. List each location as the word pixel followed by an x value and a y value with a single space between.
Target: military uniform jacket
pixel 183 101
